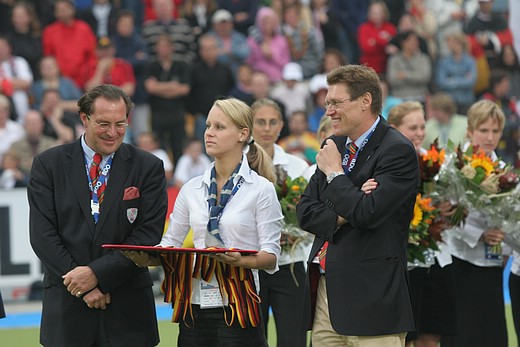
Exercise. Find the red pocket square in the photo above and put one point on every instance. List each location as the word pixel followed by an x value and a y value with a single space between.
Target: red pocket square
pixel 131 193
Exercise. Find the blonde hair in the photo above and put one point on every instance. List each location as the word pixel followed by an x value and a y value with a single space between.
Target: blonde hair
pixel 266 102
pixel 324 126
pixel 460 38
pixel 398 112
pixel 482 111
pixel 242 117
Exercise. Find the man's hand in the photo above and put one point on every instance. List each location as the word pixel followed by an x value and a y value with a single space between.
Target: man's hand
pixel 80 280
pixel 96 299
pixel 329 158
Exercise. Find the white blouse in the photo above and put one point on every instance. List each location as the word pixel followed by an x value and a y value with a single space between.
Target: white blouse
pixel 250 220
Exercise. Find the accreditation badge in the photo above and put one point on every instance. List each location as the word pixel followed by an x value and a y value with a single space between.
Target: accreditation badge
pixel 131 214
pixel 210 295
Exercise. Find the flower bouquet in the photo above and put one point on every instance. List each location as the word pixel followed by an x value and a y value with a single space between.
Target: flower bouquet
pixel 289 191
pixel 482 184
pixel 430 163
pixel 420 241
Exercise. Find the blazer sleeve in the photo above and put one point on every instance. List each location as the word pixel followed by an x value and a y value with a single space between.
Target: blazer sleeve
pixel 44 236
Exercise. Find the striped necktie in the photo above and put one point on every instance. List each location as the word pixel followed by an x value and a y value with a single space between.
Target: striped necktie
pixel 95 171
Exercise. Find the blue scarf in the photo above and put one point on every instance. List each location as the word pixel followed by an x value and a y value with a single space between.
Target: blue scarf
pixel 213 238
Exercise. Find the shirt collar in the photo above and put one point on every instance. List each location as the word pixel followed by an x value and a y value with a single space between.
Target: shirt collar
pixel 245 171
pixel 362 138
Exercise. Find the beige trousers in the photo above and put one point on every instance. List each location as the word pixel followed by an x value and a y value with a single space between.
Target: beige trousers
pixel 323 335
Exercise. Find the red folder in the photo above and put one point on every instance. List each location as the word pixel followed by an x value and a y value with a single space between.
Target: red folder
pixel 179 250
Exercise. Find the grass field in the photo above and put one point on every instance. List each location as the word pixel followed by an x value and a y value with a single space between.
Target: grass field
pixel 168 332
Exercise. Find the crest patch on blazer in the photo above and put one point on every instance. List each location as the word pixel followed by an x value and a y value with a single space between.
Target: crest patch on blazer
pixel 131 214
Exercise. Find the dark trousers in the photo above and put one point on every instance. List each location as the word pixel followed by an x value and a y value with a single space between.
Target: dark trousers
pixel 102 337
pixel 480 306
pixel 209 329
pixel 285 297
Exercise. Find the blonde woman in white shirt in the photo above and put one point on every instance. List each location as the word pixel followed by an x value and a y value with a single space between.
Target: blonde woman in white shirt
pixel 477 271
pixel 282 291
pixel 250 219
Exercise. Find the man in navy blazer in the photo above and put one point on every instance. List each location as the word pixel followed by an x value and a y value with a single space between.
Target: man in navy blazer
pixel 359 294
pixel 95 296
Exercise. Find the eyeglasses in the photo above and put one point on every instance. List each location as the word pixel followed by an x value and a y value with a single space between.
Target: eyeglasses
pixel 104 126
pixel 334 104
pixel 262 123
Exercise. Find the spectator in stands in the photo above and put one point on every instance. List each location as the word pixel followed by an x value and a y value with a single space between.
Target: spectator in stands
pixel 232 45
pixel 326 23
pixel 303 41
pixel 101 17
pixel 131 47
pixel 409 71
pixel 26 35
pixel 269 48
pixel 149 142
pixel 508 61
pixel 452 16
pixel 331 60
pixel 405 24
pixel 389 101
pixel 318 88
pixel 456 72
pixel 498 93
pixel 34 142
pixel 242 89
pixel 300 141
pixel 71 41
pixel 199 13
pixel 209 80
pixel 444 124
pixel 178 30
pixel 374 35
pixel 60 123
pixel 192 163
pixel 424 24
pixel 489 31
pixel 11 176
pixel 351 15
pixel 10 131
pixel 260 89
pixel 107 69
pixel 244 12
pixel 52 79
pixel 292 91
pixel 168 83
pixel 15 78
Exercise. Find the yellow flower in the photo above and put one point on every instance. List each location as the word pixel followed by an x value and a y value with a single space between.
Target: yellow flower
pixel 480 159
pixel 417 215
pixel 295 188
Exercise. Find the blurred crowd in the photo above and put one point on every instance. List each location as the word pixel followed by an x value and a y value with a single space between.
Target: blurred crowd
pixel 175 57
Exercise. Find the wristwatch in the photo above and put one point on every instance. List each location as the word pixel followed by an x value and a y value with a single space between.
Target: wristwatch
pixel 333 175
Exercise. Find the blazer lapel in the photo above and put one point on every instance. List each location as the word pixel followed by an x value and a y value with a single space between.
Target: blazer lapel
pixel 116 180
pixel 77 176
